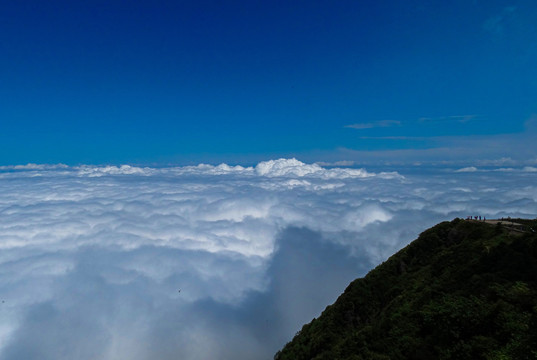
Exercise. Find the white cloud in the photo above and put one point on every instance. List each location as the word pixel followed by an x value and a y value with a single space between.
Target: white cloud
pixel 31 166
pixel 98 253
pixel 467 169
pixel 94 171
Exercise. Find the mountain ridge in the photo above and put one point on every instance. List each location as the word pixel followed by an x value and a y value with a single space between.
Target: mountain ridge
pixel 462 290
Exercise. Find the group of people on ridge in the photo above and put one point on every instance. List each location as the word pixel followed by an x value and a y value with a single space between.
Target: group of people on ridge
pixel 476 218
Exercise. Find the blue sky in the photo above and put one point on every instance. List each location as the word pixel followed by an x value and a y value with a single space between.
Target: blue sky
pixel 183 82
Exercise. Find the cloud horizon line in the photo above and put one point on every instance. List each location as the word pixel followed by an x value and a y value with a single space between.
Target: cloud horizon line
pixel 285 168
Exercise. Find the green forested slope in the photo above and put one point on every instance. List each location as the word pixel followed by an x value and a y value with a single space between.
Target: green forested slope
pixel 462 290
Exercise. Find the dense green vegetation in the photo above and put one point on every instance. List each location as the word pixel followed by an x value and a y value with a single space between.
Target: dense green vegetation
pixel 462 290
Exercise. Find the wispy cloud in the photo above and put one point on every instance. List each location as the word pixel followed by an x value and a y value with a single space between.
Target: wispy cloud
pixel 496 24
pixel 457 118
pixel 31 166
pixel 336 163
pixel 419 138
pixel 507 149
pixel 393 123
pixel 531 123
pixel 467 169
pixel 375 124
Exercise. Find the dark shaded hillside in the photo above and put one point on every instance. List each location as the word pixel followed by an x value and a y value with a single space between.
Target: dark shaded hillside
pixel 462 290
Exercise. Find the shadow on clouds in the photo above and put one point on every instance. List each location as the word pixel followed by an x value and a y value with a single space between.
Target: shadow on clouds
pixel 100 310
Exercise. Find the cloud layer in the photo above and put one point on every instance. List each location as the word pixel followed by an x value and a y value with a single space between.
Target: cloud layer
pixel 93 257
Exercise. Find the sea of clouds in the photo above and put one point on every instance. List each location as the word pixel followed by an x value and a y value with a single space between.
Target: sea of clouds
pixel 209 262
